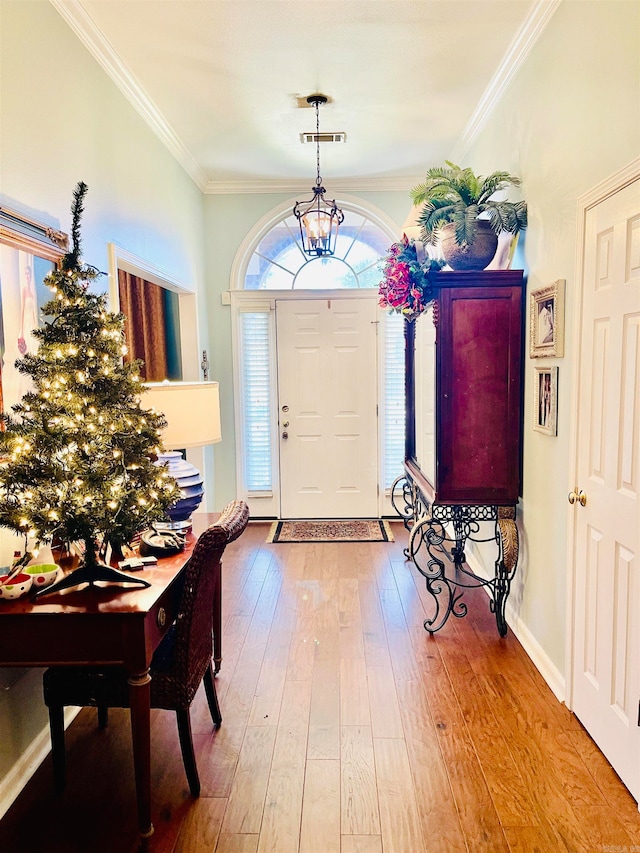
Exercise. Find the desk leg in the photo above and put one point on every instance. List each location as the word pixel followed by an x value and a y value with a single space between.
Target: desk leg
pixel 217 621
pixel 140 701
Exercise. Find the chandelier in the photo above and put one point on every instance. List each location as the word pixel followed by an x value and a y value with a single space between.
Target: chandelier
pixel 318 218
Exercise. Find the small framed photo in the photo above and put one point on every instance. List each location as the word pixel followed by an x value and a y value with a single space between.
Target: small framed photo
pixel 545 396
pixel 546 321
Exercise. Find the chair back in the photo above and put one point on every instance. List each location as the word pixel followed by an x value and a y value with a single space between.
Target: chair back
pixel 192 645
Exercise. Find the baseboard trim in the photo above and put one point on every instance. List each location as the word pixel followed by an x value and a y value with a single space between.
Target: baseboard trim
pixel 540 659
pixel 24 768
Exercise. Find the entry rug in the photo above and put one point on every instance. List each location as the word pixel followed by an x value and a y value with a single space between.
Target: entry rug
pixel 360 530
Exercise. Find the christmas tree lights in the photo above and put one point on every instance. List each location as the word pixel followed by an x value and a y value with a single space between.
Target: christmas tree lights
pixel 78 448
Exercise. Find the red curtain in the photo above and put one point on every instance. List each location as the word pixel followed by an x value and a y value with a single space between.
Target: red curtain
pixel 143 305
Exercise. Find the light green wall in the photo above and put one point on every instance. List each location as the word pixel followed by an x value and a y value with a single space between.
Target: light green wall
pixel 228 219
pixel 62 120
pixel 570 119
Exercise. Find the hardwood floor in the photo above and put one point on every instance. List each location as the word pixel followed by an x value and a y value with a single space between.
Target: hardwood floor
pixel 346 729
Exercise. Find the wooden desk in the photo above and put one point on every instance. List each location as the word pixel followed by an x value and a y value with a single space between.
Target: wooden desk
pixel 107 626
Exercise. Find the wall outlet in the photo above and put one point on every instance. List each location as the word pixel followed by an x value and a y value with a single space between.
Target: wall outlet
pixel 225 298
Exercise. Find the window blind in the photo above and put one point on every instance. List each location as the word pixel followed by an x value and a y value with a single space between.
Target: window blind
pixel 394 409
pixel 256 397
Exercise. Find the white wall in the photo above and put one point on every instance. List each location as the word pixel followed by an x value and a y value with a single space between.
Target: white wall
pixel 570 118
pixel 62 120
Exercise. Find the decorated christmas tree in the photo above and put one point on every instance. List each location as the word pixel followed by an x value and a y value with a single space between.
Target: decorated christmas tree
pixel 78 449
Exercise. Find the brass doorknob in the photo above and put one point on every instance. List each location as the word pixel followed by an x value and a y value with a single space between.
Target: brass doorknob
pixel 577 497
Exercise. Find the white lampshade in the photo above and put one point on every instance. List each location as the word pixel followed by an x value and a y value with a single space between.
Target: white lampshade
pixel 192 410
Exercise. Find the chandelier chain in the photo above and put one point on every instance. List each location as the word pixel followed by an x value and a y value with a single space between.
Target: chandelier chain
pixel 318 179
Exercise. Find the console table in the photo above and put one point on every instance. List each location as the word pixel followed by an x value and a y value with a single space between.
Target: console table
pixel 438 535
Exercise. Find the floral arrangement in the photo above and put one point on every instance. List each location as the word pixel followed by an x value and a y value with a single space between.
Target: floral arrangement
pixel 406 288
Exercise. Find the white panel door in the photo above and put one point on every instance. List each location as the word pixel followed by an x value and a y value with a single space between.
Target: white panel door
pixel 606 650
pixel 327 392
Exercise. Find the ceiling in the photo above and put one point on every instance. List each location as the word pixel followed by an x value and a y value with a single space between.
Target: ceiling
pixel 224 82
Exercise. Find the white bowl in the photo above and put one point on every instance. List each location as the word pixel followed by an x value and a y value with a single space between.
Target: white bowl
pixel 43 575
pixel 18 585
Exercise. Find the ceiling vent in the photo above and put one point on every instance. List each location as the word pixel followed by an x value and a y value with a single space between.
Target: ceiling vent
pixel 323 137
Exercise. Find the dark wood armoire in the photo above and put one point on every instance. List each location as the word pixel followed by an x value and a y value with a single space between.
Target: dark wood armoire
pixel 468 470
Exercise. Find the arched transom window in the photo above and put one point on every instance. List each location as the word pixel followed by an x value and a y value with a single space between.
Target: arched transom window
pixel 279 262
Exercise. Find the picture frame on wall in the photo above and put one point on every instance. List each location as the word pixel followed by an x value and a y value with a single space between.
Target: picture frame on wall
pixel 546 321
pixel 545 400
pixel 28 252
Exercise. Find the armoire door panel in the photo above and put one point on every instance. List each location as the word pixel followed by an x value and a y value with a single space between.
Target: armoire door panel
pixel 479 399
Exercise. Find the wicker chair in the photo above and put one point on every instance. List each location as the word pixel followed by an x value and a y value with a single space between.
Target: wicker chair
pixel 181 661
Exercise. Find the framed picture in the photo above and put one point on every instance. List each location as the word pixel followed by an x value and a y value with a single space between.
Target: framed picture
pixel 545 396
pixel 546 321
pixel 28 251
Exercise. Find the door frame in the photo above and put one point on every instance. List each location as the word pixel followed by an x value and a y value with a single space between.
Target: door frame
pixel 370 309
pixel 266 300
pixel 608 187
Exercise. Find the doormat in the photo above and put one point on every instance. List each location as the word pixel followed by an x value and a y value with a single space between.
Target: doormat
pixel 330 531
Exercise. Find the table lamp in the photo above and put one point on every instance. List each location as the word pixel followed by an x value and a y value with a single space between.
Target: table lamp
pixel 192 410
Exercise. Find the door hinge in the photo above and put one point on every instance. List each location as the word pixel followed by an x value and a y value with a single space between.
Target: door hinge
pixel 639 712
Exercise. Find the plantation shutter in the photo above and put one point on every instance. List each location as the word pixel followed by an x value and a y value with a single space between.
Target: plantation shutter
pixel 394 408
pixel 256 396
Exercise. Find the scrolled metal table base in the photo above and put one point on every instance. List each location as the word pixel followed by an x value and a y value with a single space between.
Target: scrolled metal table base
pixel 438 535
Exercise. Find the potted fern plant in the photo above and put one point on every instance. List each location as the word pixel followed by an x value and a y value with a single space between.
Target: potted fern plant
pixel 460 211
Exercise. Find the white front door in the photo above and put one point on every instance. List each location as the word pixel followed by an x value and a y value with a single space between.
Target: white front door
pixel 327 395
pixel 606 643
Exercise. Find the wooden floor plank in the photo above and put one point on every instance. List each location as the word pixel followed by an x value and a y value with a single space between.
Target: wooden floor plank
pixel 354 693
pixel 403 658
pixel 280 829
pixel 434 796
pixel 217 757
pixel 324 719
pixel 361 844
pixel 399 820
pixel 302 650
pixel 383 702
pixel 374 635
pixel 237 843
pixel 478 817
pixel 494 742
pixel 320 828
pixel 359 795
pixel 201 826
pixel 246 800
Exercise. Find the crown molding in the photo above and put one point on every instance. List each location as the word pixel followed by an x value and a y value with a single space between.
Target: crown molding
pixel 303 187
pixel 512 61
pixel 81 23
pixel 76 16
